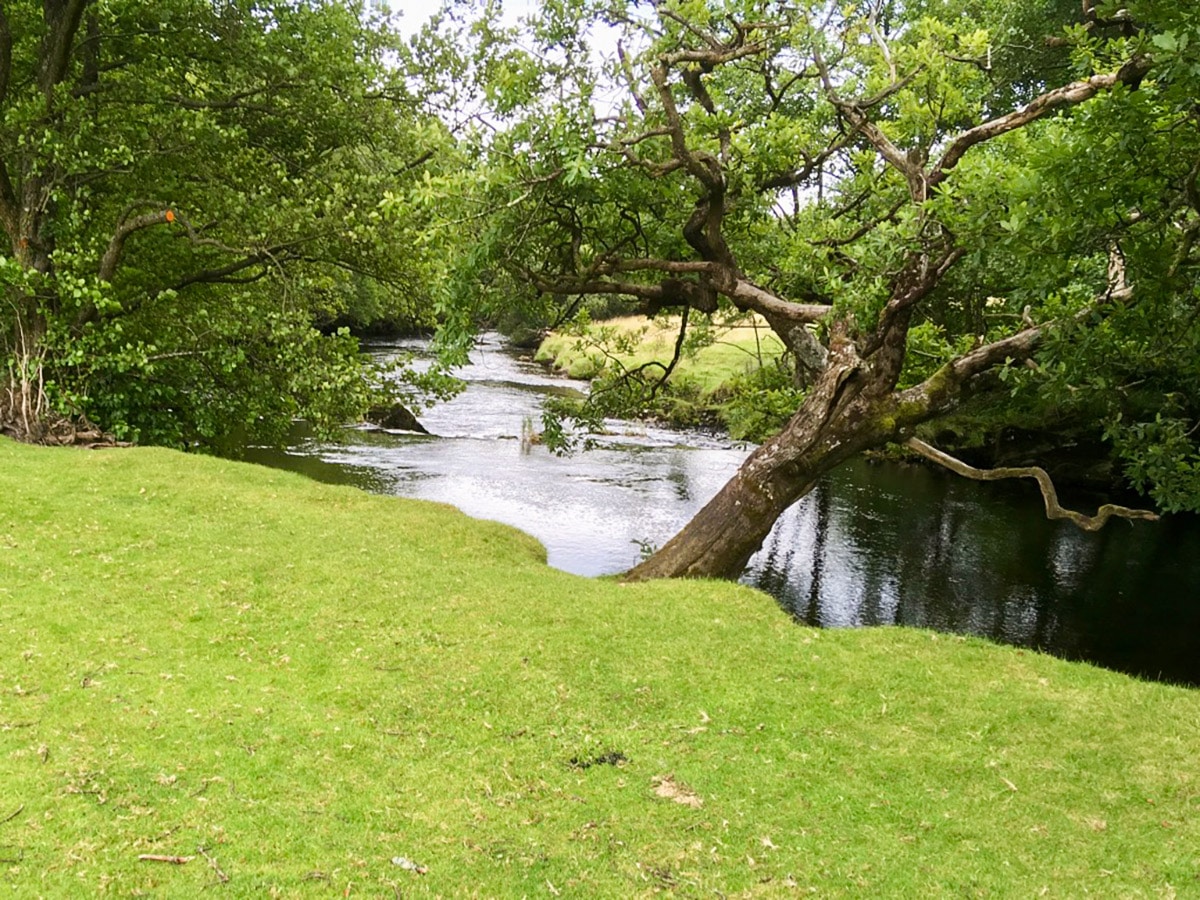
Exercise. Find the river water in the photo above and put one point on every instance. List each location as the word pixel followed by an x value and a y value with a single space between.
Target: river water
pixel 873 544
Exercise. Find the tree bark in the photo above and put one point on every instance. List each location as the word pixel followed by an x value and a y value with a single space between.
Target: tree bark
pixel 847 411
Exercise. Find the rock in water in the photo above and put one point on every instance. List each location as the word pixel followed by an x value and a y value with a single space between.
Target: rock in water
pixel 396 418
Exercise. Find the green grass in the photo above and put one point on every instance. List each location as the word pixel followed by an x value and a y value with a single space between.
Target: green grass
pixel 308 681
pixel 632 341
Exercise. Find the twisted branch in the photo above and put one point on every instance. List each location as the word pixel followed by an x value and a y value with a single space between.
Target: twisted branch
pixel 1053 509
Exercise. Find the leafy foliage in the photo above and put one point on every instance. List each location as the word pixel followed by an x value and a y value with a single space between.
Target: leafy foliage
pixel 957 180
pixel 202 184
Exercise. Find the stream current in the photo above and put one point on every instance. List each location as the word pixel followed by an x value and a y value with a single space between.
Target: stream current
pixel 873 544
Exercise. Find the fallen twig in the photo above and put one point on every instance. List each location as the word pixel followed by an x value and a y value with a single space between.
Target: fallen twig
pixel 221 876
pixel 158 857
pixel 12 815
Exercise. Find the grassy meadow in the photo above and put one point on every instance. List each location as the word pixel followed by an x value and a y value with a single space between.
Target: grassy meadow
pixel 273 687
pixel 631 341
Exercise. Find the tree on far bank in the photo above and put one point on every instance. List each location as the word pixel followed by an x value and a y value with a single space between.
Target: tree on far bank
pixel 925 201
pixel 186 188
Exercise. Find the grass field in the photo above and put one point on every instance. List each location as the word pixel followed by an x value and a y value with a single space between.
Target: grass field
pixel 304 690
pixel 631 341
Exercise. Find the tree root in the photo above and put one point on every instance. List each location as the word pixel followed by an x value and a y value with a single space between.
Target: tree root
pixel 1053 509
pixel 25 416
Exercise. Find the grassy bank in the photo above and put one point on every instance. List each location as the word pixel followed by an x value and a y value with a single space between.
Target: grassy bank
pixel 317 686
pixel 631 341
pixel 727 375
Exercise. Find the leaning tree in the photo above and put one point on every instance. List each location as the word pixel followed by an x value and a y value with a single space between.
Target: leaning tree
pixel 923 201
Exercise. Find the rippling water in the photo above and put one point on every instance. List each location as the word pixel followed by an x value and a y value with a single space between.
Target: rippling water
pixel 872 545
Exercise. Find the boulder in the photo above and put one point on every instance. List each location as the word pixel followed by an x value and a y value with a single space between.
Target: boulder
pixel 395 417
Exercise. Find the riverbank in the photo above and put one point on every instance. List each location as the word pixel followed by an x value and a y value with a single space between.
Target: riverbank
pixel 728 375
pixel 323 689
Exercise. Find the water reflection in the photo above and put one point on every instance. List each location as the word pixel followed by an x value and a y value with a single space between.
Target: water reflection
pixel 901 545
pixel 872 545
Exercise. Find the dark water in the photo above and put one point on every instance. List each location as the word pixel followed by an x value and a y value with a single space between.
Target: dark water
pixel 872 545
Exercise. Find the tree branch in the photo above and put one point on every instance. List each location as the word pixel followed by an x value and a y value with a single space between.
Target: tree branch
pixel 222 274
pixel 112 256
pixel 1069 95
pixel 1054 510
pixel 811 164
pixel 63 18
pixel 864 229
pixel 702 167
pixel 5 56
pixel 652 292
pixel 945 388
pixel 917 279
pixel 677 267
pixel 746 295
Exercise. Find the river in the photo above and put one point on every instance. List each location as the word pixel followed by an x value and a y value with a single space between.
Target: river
pixel 873 544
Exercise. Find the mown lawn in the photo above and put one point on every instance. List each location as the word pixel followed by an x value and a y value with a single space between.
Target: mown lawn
pixel 304 690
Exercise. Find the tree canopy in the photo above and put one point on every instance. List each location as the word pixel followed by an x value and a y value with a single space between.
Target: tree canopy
pixel 188 187
pixel 926 201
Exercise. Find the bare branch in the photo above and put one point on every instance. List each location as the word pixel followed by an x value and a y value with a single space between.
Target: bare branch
pixel 656 170
pixel 654 292
pixel 701 166
pixel 713 57
pixel 918 278
pixel 882 44
pixel 627 69
pixel 668 367
pixel 748 296
pixel 678 267
pixel 1054 510
pixel 688 25
pixel 918 184
pixel 222 274
pixel 645 136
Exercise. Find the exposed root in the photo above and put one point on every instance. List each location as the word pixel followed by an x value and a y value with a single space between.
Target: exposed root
pixel 26 414
pixel 1053 509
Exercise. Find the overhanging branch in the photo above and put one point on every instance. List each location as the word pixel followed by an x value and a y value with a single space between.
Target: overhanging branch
pixel 1069 95
pixel 116 245
pixel 1054 510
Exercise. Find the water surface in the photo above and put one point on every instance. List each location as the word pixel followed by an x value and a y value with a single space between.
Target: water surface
pixel 872 545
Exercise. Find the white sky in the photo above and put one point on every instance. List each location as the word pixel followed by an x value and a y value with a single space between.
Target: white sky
pixel 415 13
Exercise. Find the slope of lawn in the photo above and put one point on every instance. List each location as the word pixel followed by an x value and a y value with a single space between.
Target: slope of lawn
pixel 304 690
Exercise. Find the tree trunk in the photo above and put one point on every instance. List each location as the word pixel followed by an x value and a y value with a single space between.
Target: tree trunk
pixel 846 412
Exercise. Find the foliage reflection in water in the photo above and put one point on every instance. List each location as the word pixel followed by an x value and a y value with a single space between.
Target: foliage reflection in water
pixel 873 545
pixel 890 544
